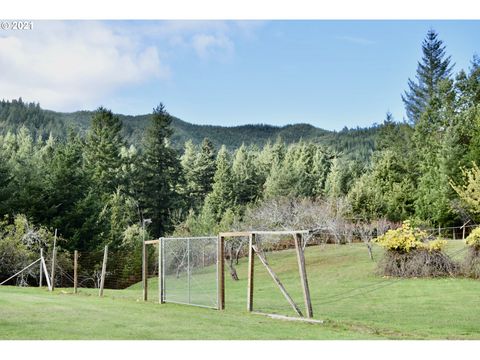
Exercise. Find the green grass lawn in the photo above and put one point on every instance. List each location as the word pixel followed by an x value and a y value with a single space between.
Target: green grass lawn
pixel 354 302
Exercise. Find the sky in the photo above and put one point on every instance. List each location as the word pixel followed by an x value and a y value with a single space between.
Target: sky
pixel 328 73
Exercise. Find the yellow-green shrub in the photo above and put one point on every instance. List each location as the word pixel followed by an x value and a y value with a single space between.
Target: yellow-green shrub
pixel 435 245
pixel 403 239
pixel 473 239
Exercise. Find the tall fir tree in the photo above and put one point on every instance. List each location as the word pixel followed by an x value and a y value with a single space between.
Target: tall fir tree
pixel 434 67
pixel 5 190
pixel 65 186
pixel 161 174
pixel 222 196
pixel 245 176
pixel 187 161
pixel 102 151
pixel 203 171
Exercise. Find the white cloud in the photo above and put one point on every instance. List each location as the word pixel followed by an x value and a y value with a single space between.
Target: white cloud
pixel 65 65
pixel 68 65
pixel 207 45
pixel 211 40
pixel 356 40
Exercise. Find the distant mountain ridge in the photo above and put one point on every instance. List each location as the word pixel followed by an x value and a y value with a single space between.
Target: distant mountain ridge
pixel 42 122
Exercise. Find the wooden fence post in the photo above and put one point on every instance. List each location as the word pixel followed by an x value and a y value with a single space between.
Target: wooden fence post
pixel 104 270
pixel 220 273
pixel 463 233
pixel 278 282
pixel 54 258
pixel 160 272
pixel 303 274
pixel 40 282
pixel 47 277
pixel 75 274
pixel 144 272
pixel 251 264
pixel 189 273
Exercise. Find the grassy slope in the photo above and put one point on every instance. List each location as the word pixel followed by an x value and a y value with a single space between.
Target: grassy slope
pixel 345 291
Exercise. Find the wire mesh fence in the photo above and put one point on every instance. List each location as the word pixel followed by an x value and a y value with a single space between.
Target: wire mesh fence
pixel 123 273
pixel 190 270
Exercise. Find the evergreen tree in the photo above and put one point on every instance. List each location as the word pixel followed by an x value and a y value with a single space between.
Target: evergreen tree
pixel 222 196
pixel 468 86
pixel 245 177
pixel 161 174
pixel 281 180
pixel 333 182
pixel 270 155
pixel 203 171
pixel 119 213
pixel 27 171
pixel 5 190
pixel 386 190
pixel 322 162
pixel 65 186
pixel 433 68
pixel 102 152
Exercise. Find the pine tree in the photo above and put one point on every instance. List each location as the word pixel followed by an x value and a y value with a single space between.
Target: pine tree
pixel 270 155
pixel 433 68
pixel 198 169
pixel 161 174
pixel 222 196
pixel 5 190
pixel 203 171
pixel 119 213
pixel 333 182
pixel 282 178
pixel 65 185
pixel 246 180
pixel 188 163
pixel 26 167
pixel 102 153
pixel 322 162
pixel 468 86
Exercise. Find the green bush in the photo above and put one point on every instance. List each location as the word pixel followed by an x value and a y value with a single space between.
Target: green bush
pixel 473 240
pixel 408 254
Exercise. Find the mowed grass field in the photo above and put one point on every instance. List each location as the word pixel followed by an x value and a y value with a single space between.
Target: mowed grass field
pixel 353 301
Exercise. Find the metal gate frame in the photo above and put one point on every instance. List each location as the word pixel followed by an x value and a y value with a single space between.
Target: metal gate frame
pixel 220 268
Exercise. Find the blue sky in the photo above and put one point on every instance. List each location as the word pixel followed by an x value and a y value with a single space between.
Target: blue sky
pixel 327 73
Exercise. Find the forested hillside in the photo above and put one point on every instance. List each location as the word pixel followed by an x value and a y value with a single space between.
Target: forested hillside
pixel 356 142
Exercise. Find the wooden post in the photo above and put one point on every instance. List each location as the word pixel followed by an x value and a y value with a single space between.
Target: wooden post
pixel 251 264
pixel 40 281
pixel 463 233
pixel 438 230
pixel 75 268
pixel 144 272
pixel 104 270
pixel 278 282
pixel 54 256
pixel 46 274
pixel 453 233
pixel 220 273
pixel 303 275
pixel 160 272
pixel 188 272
